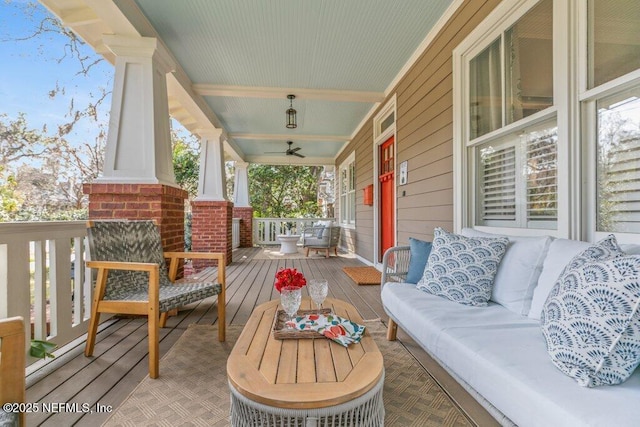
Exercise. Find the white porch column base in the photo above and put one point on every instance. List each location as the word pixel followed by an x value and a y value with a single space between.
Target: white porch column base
pixel 138 146
pixel 241 186
pixel 211 181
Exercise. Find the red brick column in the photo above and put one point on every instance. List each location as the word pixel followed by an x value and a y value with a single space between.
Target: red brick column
pixel 246 225
pixel 211 229
pixel 162 203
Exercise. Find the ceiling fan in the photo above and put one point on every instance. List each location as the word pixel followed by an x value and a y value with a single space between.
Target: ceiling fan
pixel 290 151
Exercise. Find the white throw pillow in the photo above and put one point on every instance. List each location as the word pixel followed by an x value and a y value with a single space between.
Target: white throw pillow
pixel 590 321
pixel 519 270
pixel 462 268
pixel 560 252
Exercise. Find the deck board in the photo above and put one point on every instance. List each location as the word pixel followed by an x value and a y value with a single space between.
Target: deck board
pixel 120 357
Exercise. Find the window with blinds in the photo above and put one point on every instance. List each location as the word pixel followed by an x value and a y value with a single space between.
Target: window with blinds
pixel 518 183
pixel 542 176
pixel 498 184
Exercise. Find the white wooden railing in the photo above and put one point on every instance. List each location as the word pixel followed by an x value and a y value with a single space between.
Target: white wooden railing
pixel 265 230
pixel 235 233
pixel 42 278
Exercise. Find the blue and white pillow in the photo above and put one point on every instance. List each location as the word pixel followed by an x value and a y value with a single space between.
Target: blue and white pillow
pixel 462 268
pixel 591 321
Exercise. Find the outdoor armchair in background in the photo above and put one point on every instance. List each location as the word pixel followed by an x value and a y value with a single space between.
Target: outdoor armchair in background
pixel 12 365
pixel 323 235
pixel 132 278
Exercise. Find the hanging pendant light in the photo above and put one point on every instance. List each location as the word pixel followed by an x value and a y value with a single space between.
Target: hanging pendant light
pixel 291 114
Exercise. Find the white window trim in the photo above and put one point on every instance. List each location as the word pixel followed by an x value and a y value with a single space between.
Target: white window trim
pixel 564 57
pixel 345 166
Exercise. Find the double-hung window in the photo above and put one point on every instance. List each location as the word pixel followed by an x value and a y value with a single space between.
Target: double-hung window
pixel 347 186
pixel 510 127
pixel 547 119
pixel 611 105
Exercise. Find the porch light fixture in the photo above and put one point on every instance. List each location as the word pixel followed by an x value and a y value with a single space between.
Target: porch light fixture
pixel 291 114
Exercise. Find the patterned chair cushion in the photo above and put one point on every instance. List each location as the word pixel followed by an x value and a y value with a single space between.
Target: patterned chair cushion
pixel 139 241
pixel 462 268
pixel 591 321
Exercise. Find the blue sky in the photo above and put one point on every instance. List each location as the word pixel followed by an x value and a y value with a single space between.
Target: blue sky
pixel 30 69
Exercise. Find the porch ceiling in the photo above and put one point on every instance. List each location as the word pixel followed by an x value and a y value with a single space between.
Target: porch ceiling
pixel 242 57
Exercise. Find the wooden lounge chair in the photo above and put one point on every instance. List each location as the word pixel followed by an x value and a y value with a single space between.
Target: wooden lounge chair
pixel 132 278
pixel 12 364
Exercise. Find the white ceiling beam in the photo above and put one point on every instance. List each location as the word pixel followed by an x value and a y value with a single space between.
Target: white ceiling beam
pixel 290 160
pixel 290 136
pixel 78 16
pixel 281 93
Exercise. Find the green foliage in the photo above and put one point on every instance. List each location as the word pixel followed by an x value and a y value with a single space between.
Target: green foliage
pixel 42 349
pixel 186 162
pixel 284 191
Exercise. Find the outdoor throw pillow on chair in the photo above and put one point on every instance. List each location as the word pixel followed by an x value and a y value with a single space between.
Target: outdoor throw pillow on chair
pixel 417 262
pixel 462 268
pixel 591 320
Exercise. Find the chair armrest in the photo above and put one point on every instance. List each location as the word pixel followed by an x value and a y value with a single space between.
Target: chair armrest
pixel 119 265
pixel 395 264
pixel 104 267
pixel 174 258
pixel 12 363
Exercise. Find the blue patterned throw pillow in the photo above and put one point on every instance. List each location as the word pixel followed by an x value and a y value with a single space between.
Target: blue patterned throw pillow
pixel 591 321
pixel 462 268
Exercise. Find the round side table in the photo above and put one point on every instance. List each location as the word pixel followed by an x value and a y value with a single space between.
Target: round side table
pixel 288 243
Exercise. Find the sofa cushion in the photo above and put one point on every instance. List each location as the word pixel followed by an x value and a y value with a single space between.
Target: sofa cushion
pixel 502 356
pixel 419 254
pixel 590 320
pixel 462 268
pixel 321 228
pixel 519 270
pixel 560 252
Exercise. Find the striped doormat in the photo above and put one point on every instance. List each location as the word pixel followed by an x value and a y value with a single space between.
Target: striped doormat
pixel 363 275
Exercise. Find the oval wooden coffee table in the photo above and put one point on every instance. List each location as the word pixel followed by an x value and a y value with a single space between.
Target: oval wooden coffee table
pixel 304 381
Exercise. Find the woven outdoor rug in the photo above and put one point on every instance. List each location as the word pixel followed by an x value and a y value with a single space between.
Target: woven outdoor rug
pixel 192 388
pixel 273 252
pixel 363 275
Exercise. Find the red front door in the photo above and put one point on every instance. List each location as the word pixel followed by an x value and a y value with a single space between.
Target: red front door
pixel 387 196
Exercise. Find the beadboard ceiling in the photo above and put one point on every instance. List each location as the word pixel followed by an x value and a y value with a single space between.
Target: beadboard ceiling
pixel 242 57
pixel 337 56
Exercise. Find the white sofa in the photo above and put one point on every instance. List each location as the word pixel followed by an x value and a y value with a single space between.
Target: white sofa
pixel 499 354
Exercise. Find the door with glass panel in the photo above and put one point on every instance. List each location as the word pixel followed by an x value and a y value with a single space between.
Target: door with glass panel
pixel 387 196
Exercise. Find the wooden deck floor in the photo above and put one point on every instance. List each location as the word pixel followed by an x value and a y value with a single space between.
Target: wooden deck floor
pixel 120 357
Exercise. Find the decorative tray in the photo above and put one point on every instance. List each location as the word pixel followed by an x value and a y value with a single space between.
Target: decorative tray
pixel 281 333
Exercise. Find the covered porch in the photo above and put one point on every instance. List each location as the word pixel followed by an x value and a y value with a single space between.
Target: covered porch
pixel 409 128
pixel 120 361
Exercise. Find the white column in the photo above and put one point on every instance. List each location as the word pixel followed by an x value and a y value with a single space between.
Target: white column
pixel 241 186
pixel 138 146
pixel 212 180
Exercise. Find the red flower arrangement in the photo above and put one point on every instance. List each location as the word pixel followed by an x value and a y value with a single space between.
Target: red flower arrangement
pixel 289 277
